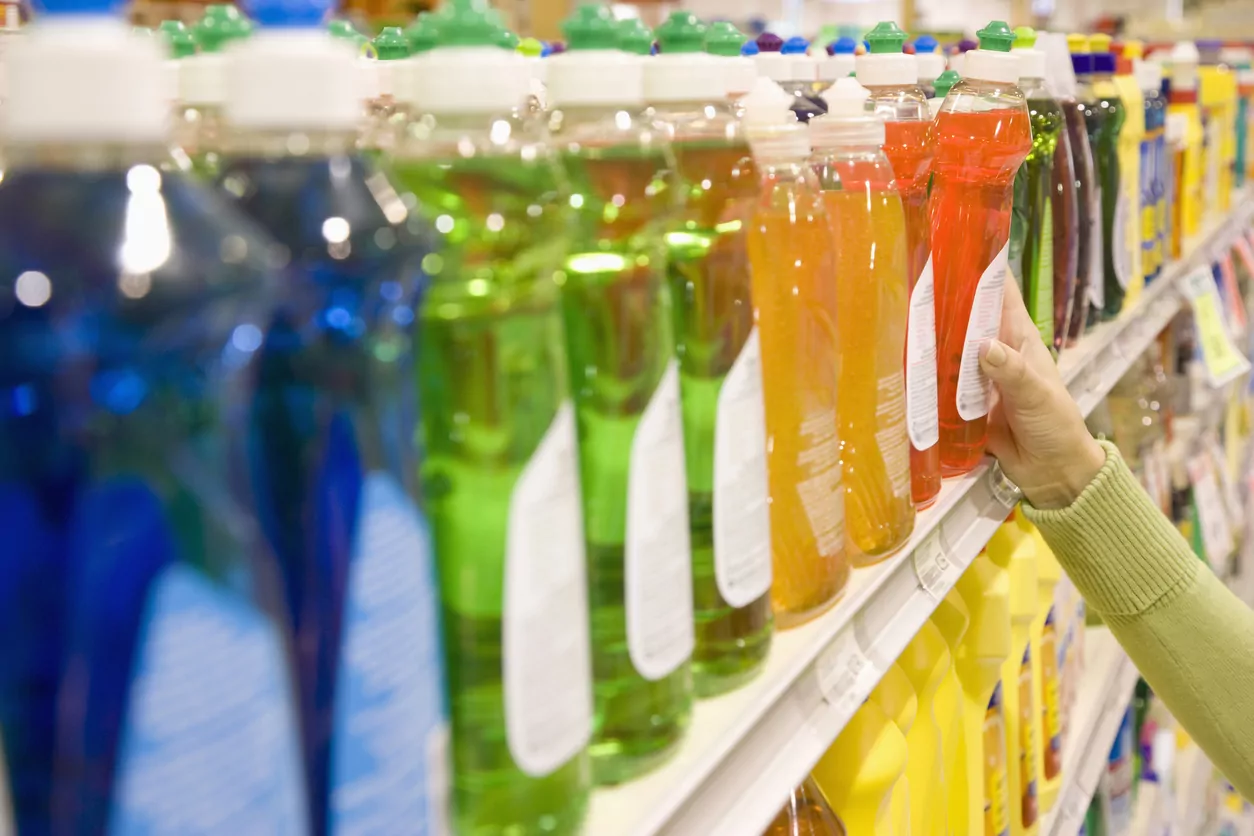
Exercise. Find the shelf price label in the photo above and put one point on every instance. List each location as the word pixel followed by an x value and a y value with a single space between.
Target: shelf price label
pixel 846 674
pixel 1220 356
pixel 937 571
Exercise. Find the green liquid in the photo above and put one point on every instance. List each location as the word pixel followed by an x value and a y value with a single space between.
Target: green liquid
pixel 492 376
pixel 619 327
pixel 709 273
pixel 1032 225
pixel 1104 117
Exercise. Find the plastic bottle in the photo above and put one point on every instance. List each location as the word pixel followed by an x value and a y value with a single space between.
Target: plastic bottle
pixel 422 34
pixel 795 301
pixel 1217 93
pixel 1105 119
pixel 1115 787
pixel 838 63
pixel 388 112
pixel 896 695
pixel 858 772
pixel 1089 284
pixel 724 40
pixel 1188 162
pixel 1064 203
pixel 944 83
pixel 983 134
pixel 720 359
pixel 1149 77
pixel 632 36
pixel 868 241
pixel 786 63
pixel 891 76
pixel 1131 140
pixel 953 619
pixel 928 664
pixel 198 124
pixel 1013 550
pixel 335 472
pixel 138 592
pixel 985 589
pixel 1032 227
pixel 805 813
pixel 930 63
pixel 625 377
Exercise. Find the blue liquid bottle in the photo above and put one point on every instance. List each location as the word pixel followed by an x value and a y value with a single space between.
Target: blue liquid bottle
pixel 332 455
pixel 144 686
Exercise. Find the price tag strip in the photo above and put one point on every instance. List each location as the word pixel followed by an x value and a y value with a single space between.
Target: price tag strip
pixel 1222 360
pixel 846 673
pixel 937 573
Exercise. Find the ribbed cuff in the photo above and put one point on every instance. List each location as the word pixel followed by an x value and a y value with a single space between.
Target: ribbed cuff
pixel 1124 555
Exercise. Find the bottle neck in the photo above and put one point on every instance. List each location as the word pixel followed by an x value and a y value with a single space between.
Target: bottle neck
pixel 84 156
pixel 279 144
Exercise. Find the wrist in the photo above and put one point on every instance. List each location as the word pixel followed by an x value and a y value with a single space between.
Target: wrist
pixel 1072 477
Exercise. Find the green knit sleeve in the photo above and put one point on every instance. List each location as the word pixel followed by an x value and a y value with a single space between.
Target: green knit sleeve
pixel 1190 637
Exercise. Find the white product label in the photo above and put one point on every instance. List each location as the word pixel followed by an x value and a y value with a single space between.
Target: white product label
pixel 7 827
pixel 820 492
pixel 984 325
pixel 1212 515
pixel 891 438
pixel 742 523
pixel 209 743
pixel 1123 242
pixel 922 402
pixel 658 551
pixel 846 673
pixel 1097 247
pixel 389 695
pixel 548 656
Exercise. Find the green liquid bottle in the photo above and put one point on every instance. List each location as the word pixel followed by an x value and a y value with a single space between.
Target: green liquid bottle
pixel 1033 221
pixel 1105 121
pixel 501 468
pixel 720 368
pixel 625 378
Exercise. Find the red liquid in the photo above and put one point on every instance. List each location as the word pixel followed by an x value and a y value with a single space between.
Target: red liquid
pixel 977 156
pixel 909 148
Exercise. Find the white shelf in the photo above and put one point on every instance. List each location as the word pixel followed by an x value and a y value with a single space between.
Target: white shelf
pixel 1103 696
pixel 745 751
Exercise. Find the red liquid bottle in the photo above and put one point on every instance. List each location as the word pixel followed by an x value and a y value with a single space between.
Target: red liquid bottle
pixel 983 133
pixel 891 76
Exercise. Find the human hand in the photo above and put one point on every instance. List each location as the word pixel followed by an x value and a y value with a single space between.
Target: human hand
pixel 1035 429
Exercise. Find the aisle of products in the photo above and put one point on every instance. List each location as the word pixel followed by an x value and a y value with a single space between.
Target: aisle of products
pixel 403 435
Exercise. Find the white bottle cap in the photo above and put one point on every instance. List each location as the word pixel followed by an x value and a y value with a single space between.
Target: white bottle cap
pixel 739 73
pixel 294 79
pixel 887 69
pixel 595 77
pixel 989 65
pixel 956 62
pixel 836 67
pixel 847 121
pixel 467 79
pixel 1148 74
pixel 202 79
pixel 773 65
pixel 1184 61
pixel 770 124
pixel 85 78
pixel 684 77
pixel 930 66
pixel 1032 62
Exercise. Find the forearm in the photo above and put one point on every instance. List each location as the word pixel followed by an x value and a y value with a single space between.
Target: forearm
pixel 1192 640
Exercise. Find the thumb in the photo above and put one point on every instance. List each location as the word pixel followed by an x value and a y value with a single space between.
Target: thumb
pixel 1009 369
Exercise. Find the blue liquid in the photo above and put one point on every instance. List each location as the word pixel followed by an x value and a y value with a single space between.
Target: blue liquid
pixel 336 410
pixel 122 414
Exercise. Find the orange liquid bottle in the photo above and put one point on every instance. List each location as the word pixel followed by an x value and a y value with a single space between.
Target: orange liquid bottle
pixel 795 304
pixel 892 78
pixel 983 134
pixel 869 268
pixel 805 813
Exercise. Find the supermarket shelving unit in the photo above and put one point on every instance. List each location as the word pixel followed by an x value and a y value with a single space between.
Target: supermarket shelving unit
pixel 745 751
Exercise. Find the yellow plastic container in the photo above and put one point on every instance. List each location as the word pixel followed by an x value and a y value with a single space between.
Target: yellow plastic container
pixel 1045 671
pixel 1131 135
pixel 896 695
pixel 953 619
pixel 927 662
pixel 1217 94
pixel 985 588
pixel 1188 164
pixel 858 772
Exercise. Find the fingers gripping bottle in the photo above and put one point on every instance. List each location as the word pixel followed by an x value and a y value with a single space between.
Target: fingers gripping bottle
pixel 983 134
pixel 869 269
pixel 501 469
pixel 892 78
pixel 625 378
pixel 720 359
pixel 795 301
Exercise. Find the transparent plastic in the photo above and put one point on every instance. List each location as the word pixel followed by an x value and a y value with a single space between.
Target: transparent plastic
pixel 790 252
pixel 494 384
pixel 711 288
pixel 620 327
pixel 870 268
pixel 983 134
pixel 805 813
pixel 909 143
pixel 1103 115
pixel 199 132
pixel 1089 209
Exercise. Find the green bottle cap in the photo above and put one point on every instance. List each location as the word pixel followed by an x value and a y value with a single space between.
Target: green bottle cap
pixel 178 38
pixel 681 32
pixel 424 33
pixel 723 38
pixel 1025 37
pixel 945 82
pixel 391 44
pixel 142 30
pixel 468 23
pixel 996 36
pixel 221 24
pixel 530 47
pixel 340 28
pixel 590 27
pixel 635 37
pixel 886 37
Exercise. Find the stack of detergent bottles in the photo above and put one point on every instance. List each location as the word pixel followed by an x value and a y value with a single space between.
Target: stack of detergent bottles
pixel 402 456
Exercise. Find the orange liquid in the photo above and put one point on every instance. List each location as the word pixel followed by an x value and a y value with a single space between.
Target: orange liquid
pixel 795 301
pixel 806 813
pixel 909 147
pixel 977 156
pixel 869 264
